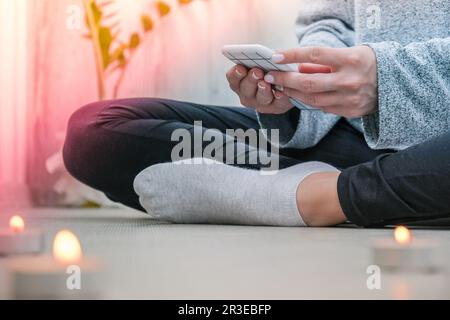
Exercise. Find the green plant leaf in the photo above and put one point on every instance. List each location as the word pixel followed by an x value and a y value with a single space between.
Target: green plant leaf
pixel 163 8
pixel 105 40
pixel 118 52
pixel 96 13
pixel 135 41
pixel 147 23
pixel 121 62
pixel 104 35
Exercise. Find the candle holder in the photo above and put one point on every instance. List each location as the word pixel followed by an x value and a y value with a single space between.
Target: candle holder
pixel 18 241
pixel 65 275
pixel 403 253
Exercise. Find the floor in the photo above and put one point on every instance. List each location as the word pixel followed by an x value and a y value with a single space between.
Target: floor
pixel 145 259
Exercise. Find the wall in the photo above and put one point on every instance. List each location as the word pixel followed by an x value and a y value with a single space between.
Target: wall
pixel 13 100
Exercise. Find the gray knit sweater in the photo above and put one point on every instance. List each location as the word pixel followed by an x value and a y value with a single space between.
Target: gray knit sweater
pixel 411 39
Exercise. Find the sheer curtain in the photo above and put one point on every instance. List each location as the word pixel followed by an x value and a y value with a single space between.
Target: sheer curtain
pixel 13 101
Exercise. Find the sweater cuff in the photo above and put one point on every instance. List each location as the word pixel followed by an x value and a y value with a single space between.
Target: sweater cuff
pixel 380 128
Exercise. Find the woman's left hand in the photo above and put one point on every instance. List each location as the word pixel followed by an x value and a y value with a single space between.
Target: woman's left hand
pixel 350 90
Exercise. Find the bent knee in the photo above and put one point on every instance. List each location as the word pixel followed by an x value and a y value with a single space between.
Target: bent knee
pixel 83 137
pixel 92 138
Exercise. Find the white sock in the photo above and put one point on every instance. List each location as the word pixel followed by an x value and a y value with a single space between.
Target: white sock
pixel 221 194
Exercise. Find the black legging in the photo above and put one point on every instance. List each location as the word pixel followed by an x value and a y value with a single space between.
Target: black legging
pixel 108 143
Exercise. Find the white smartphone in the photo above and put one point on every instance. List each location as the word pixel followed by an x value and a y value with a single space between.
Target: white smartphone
pixel 258 56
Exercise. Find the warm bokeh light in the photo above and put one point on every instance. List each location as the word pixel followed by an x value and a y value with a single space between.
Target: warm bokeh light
pixel 401 289
pixel 17 224
pixel 66 248
pixel 402 235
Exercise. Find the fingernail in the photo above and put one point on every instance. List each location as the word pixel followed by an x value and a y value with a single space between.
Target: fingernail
pixel 238 73
pixel 261 86
pixel 277 58
pixel 269 78
pixel 279 88
pixel 256 76
pixel 277 94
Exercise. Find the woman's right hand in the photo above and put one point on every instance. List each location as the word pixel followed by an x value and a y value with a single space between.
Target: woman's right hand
pixel 257 94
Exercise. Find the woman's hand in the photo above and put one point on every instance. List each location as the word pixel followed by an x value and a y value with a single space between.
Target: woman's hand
pixel 350 90
pixel 256 93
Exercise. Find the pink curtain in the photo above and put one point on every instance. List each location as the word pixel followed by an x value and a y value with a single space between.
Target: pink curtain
pixel 13 102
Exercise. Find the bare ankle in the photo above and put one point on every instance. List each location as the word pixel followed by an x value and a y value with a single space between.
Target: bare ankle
pixel 318 201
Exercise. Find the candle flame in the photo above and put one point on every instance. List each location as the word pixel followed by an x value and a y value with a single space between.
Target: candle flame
pixel 17 224
pixel 67 248
pixel 402 235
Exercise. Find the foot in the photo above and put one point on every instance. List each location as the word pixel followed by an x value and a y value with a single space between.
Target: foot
pixel 221 194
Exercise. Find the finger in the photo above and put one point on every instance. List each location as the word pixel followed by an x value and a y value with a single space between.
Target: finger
pixel 278 95
pixel 318 100
pixel 270 109
pixel 332 109
pixel 264 95
pixel 279 105
pixel 249 85
pixel 282 101
pixel 313 68
pixel 235 76
pixel 338 110
pixel 334 57
pixel 266 109
pixel 307 83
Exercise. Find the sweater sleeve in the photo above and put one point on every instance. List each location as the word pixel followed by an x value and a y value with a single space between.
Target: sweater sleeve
pixel 327 23
pixel 414 94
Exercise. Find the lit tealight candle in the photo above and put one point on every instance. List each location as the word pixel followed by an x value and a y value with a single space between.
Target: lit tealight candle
pixel 405 253
pixel 17 240
pixel 402 235
pixel 67 248
pixel 17 224
pixel 65 275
